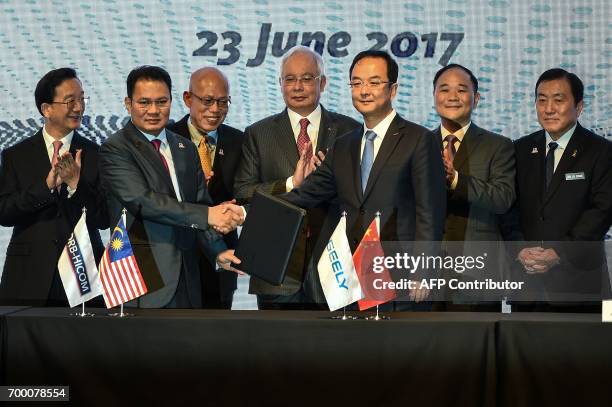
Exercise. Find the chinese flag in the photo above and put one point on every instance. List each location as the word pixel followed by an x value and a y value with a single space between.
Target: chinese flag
pixel 363 258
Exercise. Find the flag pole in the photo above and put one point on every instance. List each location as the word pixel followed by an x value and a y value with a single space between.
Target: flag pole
pixel 377 317
pixel 344 317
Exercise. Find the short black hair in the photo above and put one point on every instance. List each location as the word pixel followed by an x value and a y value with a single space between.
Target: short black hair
pixel 392 68
pixel 45 88
pixel 148 72
pixel 463 68
pixel 557 73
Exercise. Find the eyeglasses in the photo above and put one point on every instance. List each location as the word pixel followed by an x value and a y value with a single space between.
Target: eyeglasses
pixel 307 80
pixel 222 103
pixel 71 103
pixel 373 84
pixel 145 104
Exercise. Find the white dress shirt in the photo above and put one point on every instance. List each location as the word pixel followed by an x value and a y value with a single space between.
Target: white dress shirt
pixel 562 144
pixel 381 130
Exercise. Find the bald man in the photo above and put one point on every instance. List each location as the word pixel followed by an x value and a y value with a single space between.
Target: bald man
pixel 219 147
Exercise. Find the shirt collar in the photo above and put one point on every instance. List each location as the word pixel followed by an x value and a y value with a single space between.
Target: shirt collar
pixel 197 136
pixel 563 140
pixel 161 136
pixel 459 133
pixel 66 140
pixel 381 128
pixel 314 118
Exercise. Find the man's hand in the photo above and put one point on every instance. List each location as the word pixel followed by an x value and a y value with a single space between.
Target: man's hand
pixel 225 260
pixel 537 259
pixel 317 159
pixel 304 167
pixel 53 180
pixel 449 169
pixel 69 168
pixel 418 294
pixel 225 217
pixel 207 177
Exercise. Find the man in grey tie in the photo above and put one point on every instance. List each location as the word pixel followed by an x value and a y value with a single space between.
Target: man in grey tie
pixel 389 165
pixel 564 198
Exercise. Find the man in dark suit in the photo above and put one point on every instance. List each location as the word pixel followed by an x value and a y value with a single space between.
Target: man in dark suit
pixel 219 147
pixel 564 189
pixel 389 165
pixel 156 175
pixel 480 171
pixel 271 150
pixel 45 181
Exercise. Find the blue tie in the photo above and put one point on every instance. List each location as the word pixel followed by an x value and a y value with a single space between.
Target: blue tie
pixel 367 159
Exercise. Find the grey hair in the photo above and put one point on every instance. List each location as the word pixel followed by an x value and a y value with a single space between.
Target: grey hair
pixel 306 50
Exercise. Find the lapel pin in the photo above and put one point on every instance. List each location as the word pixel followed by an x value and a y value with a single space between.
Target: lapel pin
pixel 534 151
pixel 221 152
pixel 180 145
pixel 574 153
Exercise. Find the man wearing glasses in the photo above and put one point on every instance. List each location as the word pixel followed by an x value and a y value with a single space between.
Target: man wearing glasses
pixel 387 165
pixel 45 181
pixel 271 150
pixel 219 147
pixel 157 177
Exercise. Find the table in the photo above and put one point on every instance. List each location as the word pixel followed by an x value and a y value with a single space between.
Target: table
pixel 280 358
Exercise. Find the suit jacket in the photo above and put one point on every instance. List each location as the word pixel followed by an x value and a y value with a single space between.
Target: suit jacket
pixel 163 231
pixel 485 186
pixel 43 221
pixel 576 208
pixel 269 157
pixel 221 189
pixel 406 184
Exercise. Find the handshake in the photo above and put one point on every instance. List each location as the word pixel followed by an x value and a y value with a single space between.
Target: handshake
pixel 225 217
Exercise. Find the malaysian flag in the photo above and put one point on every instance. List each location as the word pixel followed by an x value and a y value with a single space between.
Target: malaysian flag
pixel 119 272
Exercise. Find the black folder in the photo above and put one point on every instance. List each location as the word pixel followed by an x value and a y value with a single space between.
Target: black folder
pixel 268 237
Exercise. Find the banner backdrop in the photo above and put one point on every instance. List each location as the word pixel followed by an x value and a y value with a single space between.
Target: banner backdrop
pixel 507 43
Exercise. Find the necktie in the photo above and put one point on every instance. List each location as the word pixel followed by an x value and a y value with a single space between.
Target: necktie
pixel 157 144
pixel 450 145
pixel 367 158
pixel 204 153
pixel 56 148
pixel 550 162
pixel 303 138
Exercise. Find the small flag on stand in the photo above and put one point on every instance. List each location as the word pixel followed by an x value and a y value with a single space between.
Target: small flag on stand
pixel 119 273
pixel 363 258
pixel 336 270
pixel 77 266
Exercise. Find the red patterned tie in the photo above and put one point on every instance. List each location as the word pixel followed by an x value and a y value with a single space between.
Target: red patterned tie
pixel 157 144
pixel 450 145
pixel 303 138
